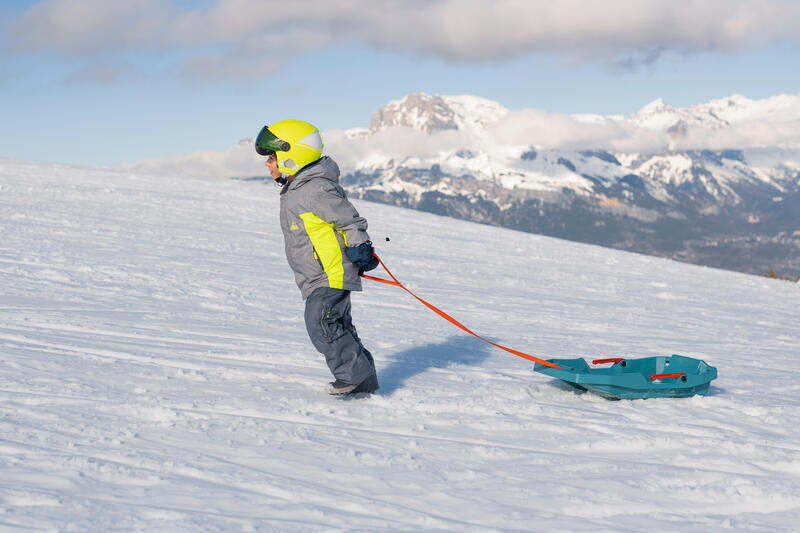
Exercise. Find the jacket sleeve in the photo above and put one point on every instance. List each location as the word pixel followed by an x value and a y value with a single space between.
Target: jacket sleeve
pixel 333 207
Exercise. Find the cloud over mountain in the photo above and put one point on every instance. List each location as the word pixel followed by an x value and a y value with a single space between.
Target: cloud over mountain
pixel 422 127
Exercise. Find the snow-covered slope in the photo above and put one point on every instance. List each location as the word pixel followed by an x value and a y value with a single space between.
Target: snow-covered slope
pixel 155 375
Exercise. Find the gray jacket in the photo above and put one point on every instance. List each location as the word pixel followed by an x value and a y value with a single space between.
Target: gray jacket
pixel 318 222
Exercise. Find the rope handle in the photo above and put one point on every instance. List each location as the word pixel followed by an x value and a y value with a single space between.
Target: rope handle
pixel 450 319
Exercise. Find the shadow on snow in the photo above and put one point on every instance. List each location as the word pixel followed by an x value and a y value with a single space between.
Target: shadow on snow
pixel 456 350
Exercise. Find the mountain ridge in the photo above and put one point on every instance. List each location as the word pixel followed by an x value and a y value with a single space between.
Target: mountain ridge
pixel 674 202
pixel 715 183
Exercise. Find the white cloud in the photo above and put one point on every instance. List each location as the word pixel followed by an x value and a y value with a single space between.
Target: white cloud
pixel 554 130
pixel 533 127
pixel 214 65
pixel 246 31
pixel 396 143
pixel 743 135
pixel 518 128
pixel 240 160
pixel 88 27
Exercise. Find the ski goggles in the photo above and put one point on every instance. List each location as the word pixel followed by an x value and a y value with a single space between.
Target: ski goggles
pixel 267 142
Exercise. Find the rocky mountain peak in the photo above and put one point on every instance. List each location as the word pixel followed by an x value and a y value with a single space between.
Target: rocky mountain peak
pixel 432 113
pixel 420 111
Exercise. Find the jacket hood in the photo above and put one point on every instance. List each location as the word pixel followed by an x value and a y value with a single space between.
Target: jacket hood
pixel 325 168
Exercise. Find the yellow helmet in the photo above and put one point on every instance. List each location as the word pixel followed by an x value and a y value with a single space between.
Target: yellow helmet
pixel 295 144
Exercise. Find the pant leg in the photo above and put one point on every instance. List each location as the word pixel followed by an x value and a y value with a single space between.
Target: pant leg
pixel 330 328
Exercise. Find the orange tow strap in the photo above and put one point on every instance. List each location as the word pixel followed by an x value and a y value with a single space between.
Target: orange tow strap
pixel 450 319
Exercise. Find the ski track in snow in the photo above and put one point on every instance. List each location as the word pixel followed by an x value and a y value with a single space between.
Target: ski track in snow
pixel 155 375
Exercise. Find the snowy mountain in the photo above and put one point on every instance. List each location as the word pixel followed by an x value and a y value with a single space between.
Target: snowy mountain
pixel 715 183
pixel 716 114
pixel 155 375
pixel 667 195
pixel 430 114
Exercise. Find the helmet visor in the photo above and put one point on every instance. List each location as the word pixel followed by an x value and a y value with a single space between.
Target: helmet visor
pixel 267 142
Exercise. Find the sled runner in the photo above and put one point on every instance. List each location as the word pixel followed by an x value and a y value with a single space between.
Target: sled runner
pixel 676 376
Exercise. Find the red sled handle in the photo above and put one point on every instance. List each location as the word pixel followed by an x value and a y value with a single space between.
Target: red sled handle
pixel 669 375
pixel 609 360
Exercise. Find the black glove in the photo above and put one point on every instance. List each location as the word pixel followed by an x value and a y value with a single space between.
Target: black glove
pixel 362 256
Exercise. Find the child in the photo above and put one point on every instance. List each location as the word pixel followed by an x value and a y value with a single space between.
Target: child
pixel 327 247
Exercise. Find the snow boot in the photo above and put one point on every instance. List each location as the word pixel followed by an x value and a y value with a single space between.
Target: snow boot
pixel 339 387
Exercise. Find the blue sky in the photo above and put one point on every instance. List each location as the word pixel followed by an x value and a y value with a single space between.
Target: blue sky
pixel 121 81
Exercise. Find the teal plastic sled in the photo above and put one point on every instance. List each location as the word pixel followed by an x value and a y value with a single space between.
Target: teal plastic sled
pixel 676 376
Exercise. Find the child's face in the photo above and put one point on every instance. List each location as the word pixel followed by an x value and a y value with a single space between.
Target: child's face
pixel 272 165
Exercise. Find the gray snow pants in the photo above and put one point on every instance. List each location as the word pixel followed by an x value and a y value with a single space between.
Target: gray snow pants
pixel 332 333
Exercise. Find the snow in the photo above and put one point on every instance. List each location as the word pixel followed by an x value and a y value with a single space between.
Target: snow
pixel 737 108
pixel 676 167
pixel 473 112
pixel 155 375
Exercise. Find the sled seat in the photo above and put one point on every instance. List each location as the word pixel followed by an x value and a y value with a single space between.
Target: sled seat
pixel 676 376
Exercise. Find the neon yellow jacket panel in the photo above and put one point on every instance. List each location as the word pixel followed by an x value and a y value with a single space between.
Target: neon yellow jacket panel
pixel 318 222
